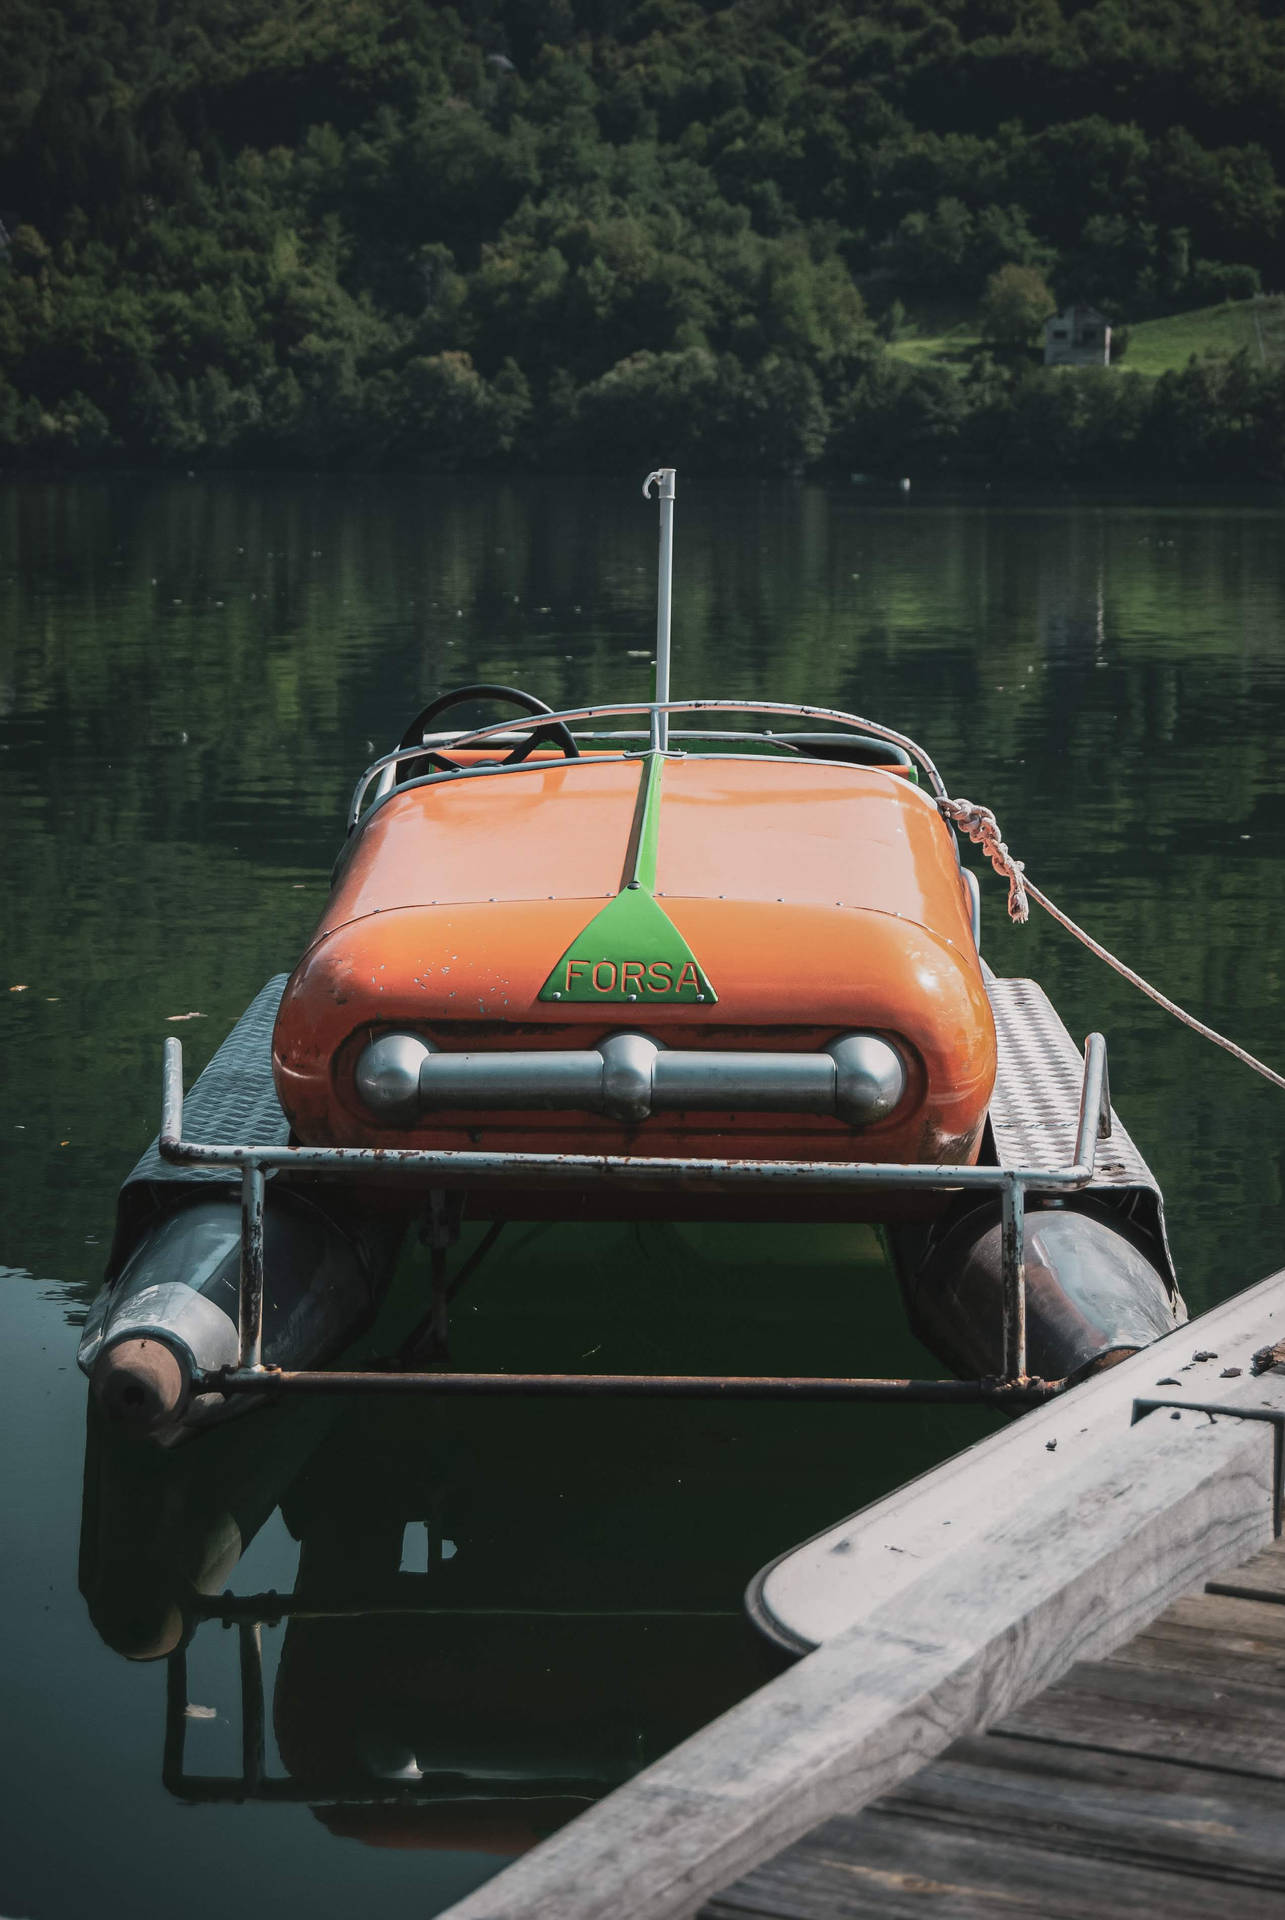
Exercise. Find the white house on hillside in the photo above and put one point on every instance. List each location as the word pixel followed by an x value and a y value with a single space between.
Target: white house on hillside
pixel 1077 337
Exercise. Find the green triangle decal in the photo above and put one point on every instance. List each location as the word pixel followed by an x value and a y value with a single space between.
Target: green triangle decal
pixel 630 953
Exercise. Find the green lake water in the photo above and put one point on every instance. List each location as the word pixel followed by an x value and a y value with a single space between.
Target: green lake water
pixel 503 1608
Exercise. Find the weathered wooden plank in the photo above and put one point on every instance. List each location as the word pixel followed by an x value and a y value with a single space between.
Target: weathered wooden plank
pixel 1241 1641
pixel 932 1873
pixel 1172 1713
pixel 1259 1621
pixel 1146 1773
pixel 1262 1578
pixel 1128 1808
pixel 1001 1825
pixel 985 1625
pixel 829 1582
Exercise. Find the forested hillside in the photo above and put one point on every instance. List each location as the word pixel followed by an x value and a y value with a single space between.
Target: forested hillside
pixel 585 232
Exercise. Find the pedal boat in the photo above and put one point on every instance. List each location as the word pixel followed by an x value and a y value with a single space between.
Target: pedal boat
pixel 635 961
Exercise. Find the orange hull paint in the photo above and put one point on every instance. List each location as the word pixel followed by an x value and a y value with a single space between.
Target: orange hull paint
pixel 817 899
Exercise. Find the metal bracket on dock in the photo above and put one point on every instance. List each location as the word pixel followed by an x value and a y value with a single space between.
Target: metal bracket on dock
pixel 1273 1417
pixel 452 1168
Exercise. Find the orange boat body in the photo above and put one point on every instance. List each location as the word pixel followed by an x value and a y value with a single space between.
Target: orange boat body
pixel 817 898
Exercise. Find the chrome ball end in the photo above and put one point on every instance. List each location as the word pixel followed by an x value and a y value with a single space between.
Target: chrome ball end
pixel 388 1074
pixel 870 1078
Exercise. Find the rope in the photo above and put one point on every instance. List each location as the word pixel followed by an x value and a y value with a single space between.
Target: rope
pixel 981 826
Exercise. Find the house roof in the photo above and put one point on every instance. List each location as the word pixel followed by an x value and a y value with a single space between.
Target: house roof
pixel 1077 315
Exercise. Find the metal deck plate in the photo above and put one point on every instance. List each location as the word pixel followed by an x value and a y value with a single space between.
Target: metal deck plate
pixel 1035 1107
pixel 233 1099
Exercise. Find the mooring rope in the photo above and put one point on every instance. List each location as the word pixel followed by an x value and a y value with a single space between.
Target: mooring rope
pixel 981 826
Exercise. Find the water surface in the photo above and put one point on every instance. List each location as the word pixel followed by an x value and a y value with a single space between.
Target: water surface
pixel 191 675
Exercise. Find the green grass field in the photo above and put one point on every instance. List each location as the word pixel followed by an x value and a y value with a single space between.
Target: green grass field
pixel 951 345
pixel 1257 326
pixel 1155 346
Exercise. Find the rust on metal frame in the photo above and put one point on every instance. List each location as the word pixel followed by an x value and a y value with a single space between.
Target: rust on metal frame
pixel 1016 1388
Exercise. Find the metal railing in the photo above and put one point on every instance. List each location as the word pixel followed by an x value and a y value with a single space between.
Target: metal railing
pixel 382 772
pixel 449 1168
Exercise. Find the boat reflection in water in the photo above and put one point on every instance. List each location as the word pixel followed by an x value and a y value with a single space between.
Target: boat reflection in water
pixel 502 1609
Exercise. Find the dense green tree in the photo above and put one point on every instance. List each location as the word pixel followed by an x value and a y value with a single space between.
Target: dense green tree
pixel 1015 306
pixel 443 415
pixel 688 402
pixel 899 419
pixel 385 231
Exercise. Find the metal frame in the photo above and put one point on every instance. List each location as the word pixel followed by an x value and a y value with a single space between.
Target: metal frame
pixel 1274 1417
pixel 440 1168
pixel 382 772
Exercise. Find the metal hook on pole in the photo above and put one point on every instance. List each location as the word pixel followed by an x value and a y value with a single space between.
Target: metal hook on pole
pixel 663 479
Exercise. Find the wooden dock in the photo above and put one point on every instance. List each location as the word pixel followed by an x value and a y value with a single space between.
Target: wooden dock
pixel 1148 1783
pixel 1046 1678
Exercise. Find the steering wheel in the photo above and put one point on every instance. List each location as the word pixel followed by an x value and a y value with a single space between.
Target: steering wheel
pixel 558 734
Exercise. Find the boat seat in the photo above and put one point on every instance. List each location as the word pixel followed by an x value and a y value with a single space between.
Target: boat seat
pixel 861 749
